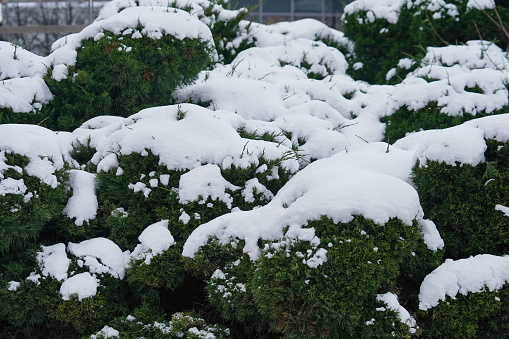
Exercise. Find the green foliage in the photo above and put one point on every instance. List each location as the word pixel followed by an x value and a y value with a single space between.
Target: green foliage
pixel 28 311
pixel 27 219
pixel 170 281
pixel 405 120
pixel 379 45
pixel 461 200
pixel 230 290
pixel 163 201
pixel 36 309
pixel 333 299
pixel 88 314
pixel 120 75
pixel 181 325
pixel 8 116
pixel 338 297
pixel 474 315
pixel 165 271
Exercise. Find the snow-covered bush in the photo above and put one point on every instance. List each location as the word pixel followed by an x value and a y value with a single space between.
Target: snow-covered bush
pixel 230 32
pixel 462 180
pixel 183 164
pixel 261 198
pixel 467 298
pixel 452 84
pixel 387 31
pixel 71 290
pixel 331 239
pixel 129 61
pixel 33 185
pixel 22 89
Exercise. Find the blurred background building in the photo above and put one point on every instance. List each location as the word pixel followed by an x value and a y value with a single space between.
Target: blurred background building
pixel 271 11
pixel 36 24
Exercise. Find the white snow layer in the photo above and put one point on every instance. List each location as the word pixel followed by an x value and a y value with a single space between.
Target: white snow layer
pixel 200 9
pixel 205 182
pixel 47 151
pixel 83 203
pixel 471 275
pixel 106 332
pixel 17 62
pixel 463 144
pixel 53 261
pixel 503 209
pixel 154 240
pixel 101 255
pixel 329 187
pixel 391 300
pixel 84 285
pixel 21 87
pixel 376 9
pixel 389 9
pixel 184 137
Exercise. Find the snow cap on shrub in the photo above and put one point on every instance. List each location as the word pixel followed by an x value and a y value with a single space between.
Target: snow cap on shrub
pixel 464 144
pixel 197 8
pixel 101 255
pixel 22 88
pixel 154 21
pixel 328 187
pixel 46 150
pixel 17 62
pixel 376 9
pixel 83 203
pixel 471 275
pixel 154 240
pixel 185 137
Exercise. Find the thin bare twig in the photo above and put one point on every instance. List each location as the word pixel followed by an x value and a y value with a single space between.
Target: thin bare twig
pixel 485 49
pixel 497 22
pixel 434 30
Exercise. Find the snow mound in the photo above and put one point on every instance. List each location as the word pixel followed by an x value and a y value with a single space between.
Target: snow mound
pixel 101 255
pixel 154 240
pixel 17 62
pixel 328 187
pixel 475 54
pixel 53 261
pixel 459 79
pixel 203 182
pixel 464 144
pixel 376 9
pixel 197 8
pixel 471 275
pixel 185 137
pixel 83 203
pixel 83 285
pixel 24 95
pixel 283 32
pixel 46 150
pixel 315 115
pixel 391 300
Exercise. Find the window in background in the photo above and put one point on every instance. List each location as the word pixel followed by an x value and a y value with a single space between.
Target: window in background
pixel 308 6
